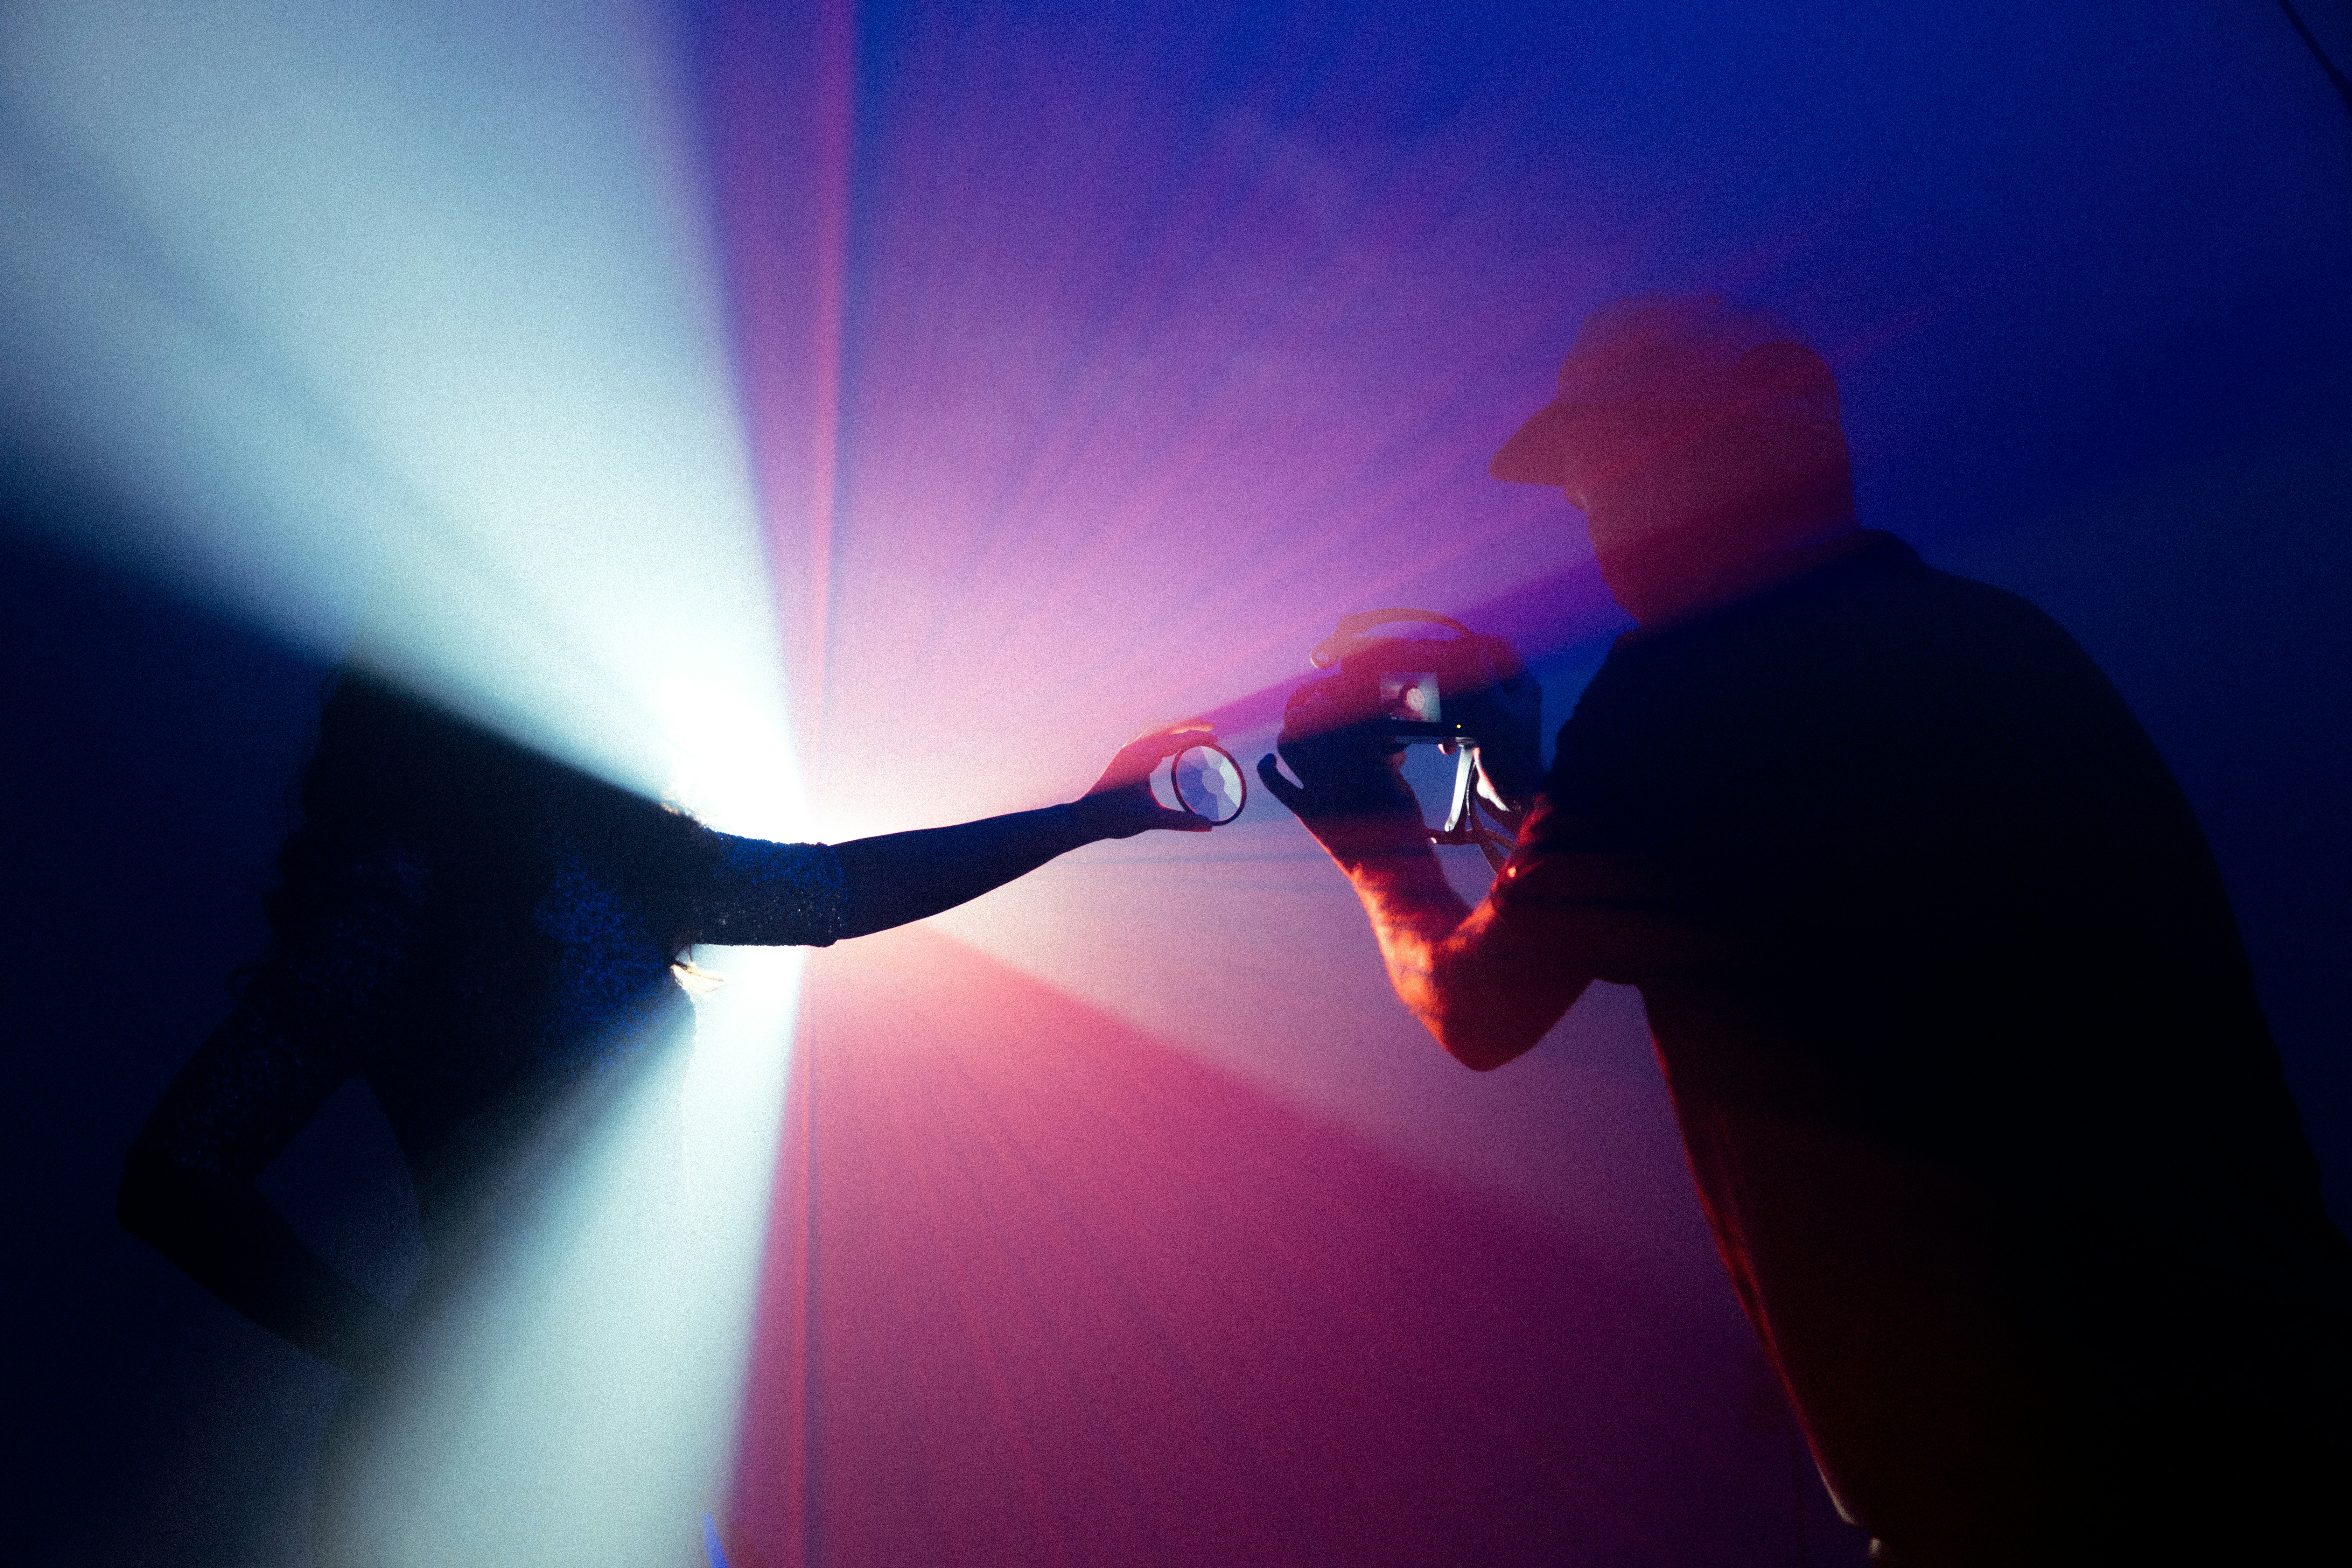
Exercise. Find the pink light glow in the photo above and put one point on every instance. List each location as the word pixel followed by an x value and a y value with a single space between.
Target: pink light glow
pixel 1127 413
pixel 1123 1215
pixel 781 87
pixel 1075 1298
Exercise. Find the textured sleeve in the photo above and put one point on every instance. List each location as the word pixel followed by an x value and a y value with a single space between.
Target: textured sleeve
pixel 761 894
pixel 299 1029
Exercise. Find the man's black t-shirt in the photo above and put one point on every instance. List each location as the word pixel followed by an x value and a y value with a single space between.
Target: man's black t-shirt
pixel 1966 1053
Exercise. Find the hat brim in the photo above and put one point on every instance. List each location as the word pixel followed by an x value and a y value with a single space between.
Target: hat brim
pixel 1537 454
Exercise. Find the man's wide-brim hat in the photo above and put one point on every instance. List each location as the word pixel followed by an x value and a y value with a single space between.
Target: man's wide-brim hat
pixel 1666 355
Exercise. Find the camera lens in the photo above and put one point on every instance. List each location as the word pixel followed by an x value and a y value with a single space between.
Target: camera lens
pixel 1208 783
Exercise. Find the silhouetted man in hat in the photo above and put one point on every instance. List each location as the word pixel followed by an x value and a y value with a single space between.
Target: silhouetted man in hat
pixel 1959 1031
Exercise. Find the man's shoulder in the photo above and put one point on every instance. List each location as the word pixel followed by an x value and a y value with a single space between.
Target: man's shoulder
pixel 1876 600
pixel 1877 643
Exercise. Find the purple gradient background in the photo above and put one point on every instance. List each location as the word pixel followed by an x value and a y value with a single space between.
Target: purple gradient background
pixel 1093 359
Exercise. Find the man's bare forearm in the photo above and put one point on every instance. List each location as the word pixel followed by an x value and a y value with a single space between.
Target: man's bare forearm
pixel 1483 989
pixel 1414 912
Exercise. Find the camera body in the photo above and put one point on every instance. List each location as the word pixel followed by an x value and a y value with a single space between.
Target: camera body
pixel 1416 690
pixel 1412 688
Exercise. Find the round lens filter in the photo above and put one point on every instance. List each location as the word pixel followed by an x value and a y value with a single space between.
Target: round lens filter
pixel 1208 783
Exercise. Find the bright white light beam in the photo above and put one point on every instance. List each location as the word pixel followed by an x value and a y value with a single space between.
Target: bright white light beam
pixel 393 329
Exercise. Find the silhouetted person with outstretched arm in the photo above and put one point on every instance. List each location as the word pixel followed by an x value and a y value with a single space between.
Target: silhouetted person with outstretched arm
pixel 487 937
pixel 1962 1040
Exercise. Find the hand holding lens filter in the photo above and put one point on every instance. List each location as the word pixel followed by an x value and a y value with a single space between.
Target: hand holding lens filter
pixel 1208 783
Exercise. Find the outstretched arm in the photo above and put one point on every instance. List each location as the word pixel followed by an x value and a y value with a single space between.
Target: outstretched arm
pixel 1486 987
pixel 901 877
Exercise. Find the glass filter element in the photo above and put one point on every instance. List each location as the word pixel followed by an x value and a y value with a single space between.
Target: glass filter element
pixel 1412 696
pixel 1208 783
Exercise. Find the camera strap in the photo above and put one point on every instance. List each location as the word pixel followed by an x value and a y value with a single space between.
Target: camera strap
pixel 1349 637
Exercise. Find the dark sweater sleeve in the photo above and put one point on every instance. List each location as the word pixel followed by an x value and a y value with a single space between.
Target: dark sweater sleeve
pixel 759 894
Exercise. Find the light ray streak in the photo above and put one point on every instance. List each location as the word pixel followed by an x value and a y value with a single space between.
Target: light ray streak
pixel 396 326
pixel 374 353
pixel 114 240
pixel 1124 418
pixel 572 1386
pixel 781 83
pixel 1078 495
pixel 836 120
pixel 1078 1297
pixel 1134 400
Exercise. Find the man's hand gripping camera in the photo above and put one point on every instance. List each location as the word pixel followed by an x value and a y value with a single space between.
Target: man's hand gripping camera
pixel 1344 735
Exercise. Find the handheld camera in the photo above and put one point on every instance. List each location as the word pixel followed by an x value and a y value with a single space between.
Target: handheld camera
pixel 1415 688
